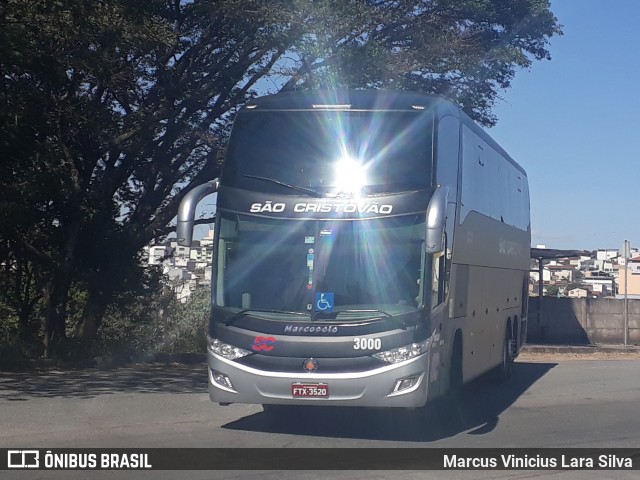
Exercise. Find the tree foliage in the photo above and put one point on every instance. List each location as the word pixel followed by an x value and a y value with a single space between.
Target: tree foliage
pixel 110 110
pixel 553 290
pixel 468 50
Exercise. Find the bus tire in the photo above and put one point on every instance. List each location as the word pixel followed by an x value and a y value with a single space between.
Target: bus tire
pixel 504 371
pixel 455 372
pixel 448 406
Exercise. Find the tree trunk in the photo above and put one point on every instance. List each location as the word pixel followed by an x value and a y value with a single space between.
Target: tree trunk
pixel 97 302
pixel 25 333
pixel 56 296
pixel 104 284
pixel 27 297
pixel 57 293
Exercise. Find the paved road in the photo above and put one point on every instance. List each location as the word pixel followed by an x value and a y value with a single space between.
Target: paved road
pixel 547 404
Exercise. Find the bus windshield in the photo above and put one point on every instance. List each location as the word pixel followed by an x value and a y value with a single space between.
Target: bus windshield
pixel 320 268
pixel 330 151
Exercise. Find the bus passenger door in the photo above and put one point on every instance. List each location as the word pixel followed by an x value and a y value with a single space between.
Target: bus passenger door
pixel 441 288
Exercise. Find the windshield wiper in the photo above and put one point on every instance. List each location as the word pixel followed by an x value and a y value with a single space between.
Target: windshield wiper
pixel 296 188
pixel 247 311
pixel 366 310
pixel 381 312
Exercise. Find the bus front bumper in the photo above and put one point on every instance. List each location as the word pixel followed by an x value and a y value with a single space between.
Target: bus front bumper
pixel 403 384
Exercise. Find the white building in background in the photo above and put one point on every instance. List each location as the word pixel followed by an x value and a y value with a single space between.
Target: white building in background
pixel 186 268
pixel 178 275
pixel 561 273
pixel 604 265
pixel 604 284
pixel 597 275
pixel 606 253
pixel 208 239
pixel 156 254
pixel 578 292
pixel 546 275
pixel 201 253
pixel 635 252
pixel 179 250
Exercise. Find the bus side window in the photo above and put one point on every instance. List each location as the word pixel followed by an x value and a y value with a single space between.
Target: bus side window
pixel 441 267
pixel 437 267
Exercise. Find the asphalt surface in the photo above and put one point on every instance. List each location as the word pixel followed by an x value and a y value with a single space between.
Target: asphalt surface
pixel 550 402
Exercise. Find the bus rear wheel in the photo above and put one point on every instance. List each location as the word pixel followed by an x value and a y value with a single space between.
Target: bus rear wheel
pixel 455 375
pixel 449 406
pixel 504 371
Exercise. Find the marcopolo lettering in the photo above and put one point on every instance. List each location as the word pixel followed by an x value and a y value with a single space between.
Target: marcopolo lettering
pixel 316 329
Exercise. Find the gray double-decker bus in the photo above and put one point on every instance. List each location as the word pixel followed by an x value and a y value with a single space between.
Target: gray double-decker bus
pixel 371 249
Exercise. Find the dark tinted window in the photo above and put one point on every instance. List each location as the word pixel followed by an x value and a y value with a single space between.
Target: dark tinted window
pixel 308 148
pixel 283 264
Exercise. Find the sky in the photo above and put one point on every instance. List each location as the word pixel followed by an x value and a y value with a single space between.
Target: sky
pixel 573 123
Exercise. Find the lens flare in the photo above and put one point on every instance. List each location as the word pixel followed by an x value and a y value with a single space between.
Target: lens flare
pixel 349 176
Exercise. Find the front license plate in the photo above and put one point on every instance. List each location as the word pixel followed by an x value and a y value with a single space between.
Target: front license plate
pixel 309 390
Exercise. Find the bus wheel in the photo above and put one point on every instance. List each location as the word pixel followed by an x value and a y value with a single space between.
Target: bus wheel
pixel 455 373
pixel 448 407
pixel 505 369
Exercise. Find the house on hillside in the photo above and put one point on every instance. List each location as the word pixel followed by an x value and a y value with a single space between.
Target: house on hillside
pixel 631 278
pixel 578 292
pixel 561 272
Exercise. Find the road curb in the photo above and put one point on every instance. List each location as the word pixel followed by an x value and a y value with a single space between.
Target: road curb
pixel 111 361
pixel 581 349
pixel 165 358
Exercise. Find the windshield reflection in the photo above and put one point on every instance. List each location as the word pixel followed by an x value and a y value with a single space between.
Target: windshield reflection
pixel 364 269
pixel 330 152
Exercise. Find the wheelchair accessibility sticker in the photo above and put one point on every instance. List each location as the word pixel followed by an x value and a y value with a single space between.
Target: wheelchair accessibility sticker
pixel 324 302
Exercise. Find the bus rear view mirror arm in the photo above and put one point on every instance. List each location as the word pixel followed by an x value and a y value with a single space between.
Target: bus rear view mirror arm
pixel 436 218
pixel 187 210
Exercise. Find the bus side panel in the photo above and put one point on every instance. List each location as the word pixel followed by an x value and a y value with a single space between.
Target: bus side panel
pixel 494 302
pixel 494 287
pixel 492 239
pixel 485 242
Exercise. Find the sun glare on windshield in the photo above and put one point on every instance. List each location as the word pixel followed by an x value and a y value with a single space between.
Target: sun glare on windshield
pixel 350 175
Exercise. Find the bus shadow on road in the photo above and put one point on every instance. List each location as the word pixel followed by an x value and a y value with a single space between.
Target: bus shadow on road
pixel 476 413
pixel 89 383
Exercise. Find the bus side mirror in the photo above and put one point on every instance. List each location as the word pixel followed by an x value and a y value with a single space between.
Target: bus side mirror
pixel 436 219
pixel 187 210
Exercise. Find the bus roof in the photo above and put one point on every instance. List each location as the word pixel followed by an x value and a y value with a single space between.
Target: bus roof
pixel 380 100
pixel 350 100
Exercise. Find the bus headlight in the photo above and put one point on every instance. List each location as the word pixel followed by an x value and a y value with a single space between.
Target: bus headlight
pixel 225 350
pixel 407 352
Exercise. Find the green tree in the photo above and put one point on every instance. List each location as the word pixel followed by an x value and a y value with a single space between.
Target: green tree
pixel 468 50
pixel 553 290
pixel 112 109
pixel 573 285
pixel 20 291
